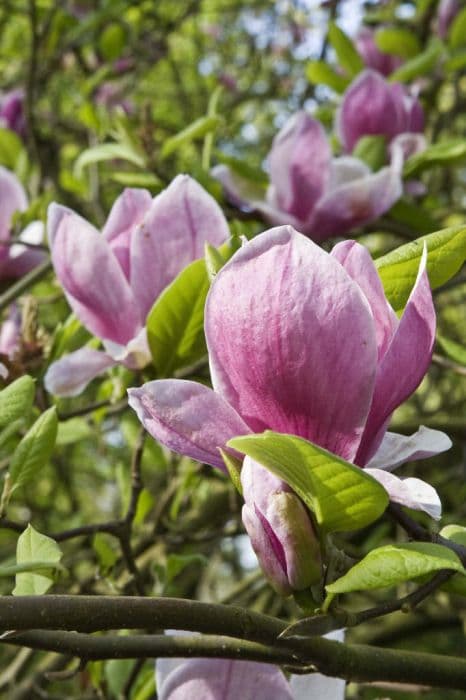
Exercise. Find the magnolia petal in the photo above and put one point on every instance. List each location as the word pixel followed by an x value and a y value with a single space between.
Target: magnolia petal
pixel 10 332
pixel 12 198
pixel 224 679
pixel 384 63
pixel 412 493
pixel 70 375
pixel 280 529
pixel 21 259
pixel 173 233
pixel 299 164
pixel 271 319
pixel 398 449
pixel 358 263
pixel 315 686
pixel 55 214
pixel 134 355
pixel 96 287
pixel 346 169
pixel 127 212
pixel 404 364
pixel 356 203
pixel 187 417
pixel 369 107
pixel 409 144
pixel 241 192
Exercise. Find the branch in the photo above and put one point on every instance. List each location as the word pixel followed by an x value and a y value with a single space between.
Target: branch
pixel 88 613
pixel 24 283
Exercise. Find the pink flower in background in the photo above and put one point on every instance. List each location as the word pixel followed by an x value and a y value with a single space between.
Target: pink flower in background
pixel 111 96
pixel 10 338
pixel 302 342
pixel 12 112
pixel 372 56
pixel 318 194
pixel 17 259
pixel 446 13
pixel 111 280
pixel 373 107
pixel 225 679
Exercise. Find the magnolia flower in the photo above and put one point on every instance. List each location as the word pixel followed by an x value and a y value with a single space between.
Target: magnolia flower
pixel 12 111
pixel 10 338
pixel 111 280
pixel 372 56
pixel 224 679
pixel 371 106
pixel 319 195
pixel 446 13
pixel 16 260
pixel 303 342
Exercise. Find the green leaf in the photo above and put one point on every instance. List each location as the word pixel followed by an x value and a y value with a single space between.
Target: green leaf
pixel 348 57
pixel 30 566
pixel 372 150
pixel 394 564
pixel 176 563
pixel 256 176
pixel 342 496
pixel 320 73
pixel 445 153
pixel 419 65
pixel 102 546
pixel 455 351
pixel 397 41
pixel 457 33
pixel 112 41
pixel 413 215
pixel 11 148
pixel 107 151
pixel 16 400
pixel 34 449
pixel 33 547
pixel 457 534
pixel 398 269
pixel 175 324
pixel 233 466
pixel 128 179
pixel 197 130
pixel 73 430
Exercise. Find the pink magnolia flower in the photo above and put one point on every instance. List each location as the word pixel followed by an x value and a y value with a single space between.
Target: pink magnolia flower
pixel 12 111
pixel 446 13
pixel 111 280
pixel 302 342
pixel 18 259
pixel 10 338
pixel 224 679
pixel 319 195
pixel 372 56
pixel 373 107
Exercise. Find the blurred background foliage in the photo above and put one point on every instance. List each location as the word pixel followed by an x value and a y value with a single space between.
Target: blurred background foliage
pixel 120 93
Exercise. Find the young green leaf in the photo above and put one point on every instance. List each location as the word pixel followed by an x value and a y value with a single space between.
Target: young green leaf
pixel 398 41
pixel 234 470
pixel 197 130
pixel 175 324
pixel 347 55
pixel 11 148
pixel 455 351
pixel 445 153
pixel 32 546
pixel 457 33
pixel 394 564
pixel 457 534
pixel 34 449
pixel 320 73
pixel 16 400
pixel 342 496
pixel 107 151
pixel 419 65
pixel 398 269
pixel 372 150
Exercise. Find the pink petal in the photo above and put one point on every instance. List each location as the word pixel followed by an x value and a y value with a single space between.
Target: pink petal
pixel 127 212
pixel 412 493
pixel 356 203
pixel 280 530
pixel 12 198
pixel 404 364
pixel 96 287
pixel 374 58
pixel 70 375
pixel 397 449
pixel 359 265
pixel 134 355
pixel 187 417
pixel 273 316
pixel 315 686
pixel 241 192
pixel 21 259
pixel 299 164
pixel 174 231
pixel 223 679
pixel 369 107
